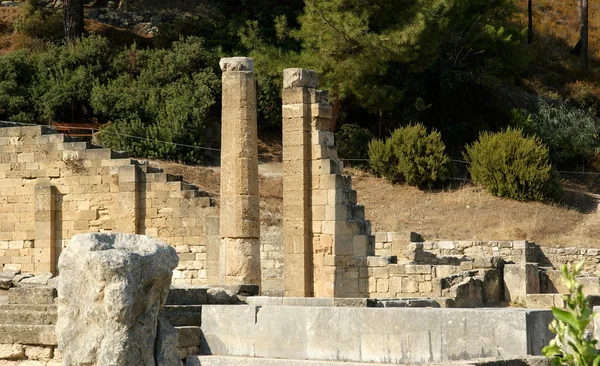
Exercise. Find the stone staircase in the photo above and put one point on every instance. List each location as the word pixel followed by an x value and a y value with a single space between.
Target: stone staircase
pixel 27 322
pixel 74 145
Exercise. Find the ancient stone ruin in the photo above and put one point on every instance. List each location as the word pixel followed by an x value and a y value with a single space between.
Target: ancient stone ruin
pixel 110 291
pixel 320 288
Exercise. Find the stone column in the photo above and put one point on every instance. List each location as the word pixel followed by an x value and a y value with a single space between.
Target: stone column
pixel 326 238
pixel 44 252
pixel 239 215
pixel 298 89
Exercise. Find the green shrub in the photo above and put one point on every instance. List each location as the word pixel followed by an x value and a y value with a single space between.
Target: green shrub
pixel 571 133
pixel 65 78
pixel 16 76
pixel 511 165
pixel 352 142
pixel 412 156
pixel 380 158
pixel 160 98
pixel 571 346
pixel 41 22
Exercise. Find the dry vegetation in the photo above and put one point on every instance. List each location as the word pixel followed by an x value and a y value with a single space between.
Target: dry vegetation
pixel 555 72
pixel 9 41
pixel 469 212
pixel 461 212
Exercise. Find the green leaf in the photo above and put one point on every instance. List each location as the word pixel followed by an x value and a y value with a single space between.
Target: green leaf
pixel 565 316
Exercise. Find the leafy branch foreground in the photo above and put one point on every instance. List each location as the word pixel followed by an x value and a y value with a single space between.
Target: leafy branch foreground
pixel 571 346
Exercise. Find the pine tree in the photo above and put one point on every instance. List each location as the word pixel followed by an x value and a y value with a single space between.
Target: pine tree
pixel 73 19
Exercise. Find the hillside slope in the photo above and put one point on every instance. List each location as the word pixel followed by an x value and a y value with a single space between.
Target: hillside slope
pixel 462 212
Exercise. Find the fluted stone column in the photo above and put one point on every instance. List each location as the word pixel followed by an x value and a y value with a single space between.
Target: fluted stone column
pixel 239 215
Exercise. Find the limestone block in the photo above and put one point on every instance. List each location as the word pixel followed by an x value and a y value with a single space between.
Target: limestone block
pixel 111 288
pixel 240 261
pixel 299 78
pixel 218 324
pixel 38 353
pixel 239 176
pixel 236 64
pixel 591 285
pixel 520 280
pixel 11 352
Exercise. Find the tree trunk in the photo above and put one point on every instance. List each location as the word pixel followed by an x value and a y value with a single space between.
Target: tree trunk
pixel 530 17
pixel 73 19
pixel 583 36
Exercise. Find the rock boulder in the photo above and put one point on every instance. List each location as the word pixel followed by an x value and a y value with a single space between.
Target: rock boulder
pixel 110 290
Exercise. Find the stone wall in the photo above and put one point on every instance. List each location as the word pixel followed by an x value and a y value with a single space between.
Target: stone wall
pixel 559 256
pixel 397 280
pixel 52 188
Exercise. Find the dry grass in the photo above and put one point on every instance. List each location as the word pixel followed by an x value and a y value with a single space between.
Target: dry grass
pixel 462 212
pixel 555 72
pixel 469 212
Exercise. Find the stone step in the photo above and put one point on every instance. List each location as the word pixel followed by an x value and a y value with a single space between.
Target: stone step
pixel 28 307
pixel 200 296
pixel 187 296
pixel 183 315
pixel 31 295
pixel 27 334
pixel 24 317
pixel 118 154
pixel 358 212
pixel 255 361
pixel 188 336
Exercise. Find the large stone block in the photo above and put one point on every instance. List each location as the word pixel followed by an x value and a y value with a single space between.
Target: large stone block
pixel 236 64
pixel 31 295
pixel 228 330
pixel 520 280
pixel 392 335
pixel 299 78
pixel 111 288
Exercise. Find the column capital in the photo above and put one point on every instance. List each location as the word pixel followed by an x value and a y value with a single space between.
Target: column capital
pixel 237 64
pixel 299 78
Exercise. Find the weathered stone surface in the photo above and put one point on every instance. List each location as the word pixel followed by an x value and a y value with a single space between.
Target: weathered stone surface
pixel 31 295
pixel 166 344
pixel 187 296
pixel 183 315
pixel 239 206
pixel 220 296
pixel 5 283
pixel 38 280
pixel 18 278
pixel 467 294
pixel 408 303
pixel 189 336
pixel 38 353
pixel 27 334
pixel 591 284
pixel 228 330
pixel 111 289
pixel 237 64
pixel 520 280
pixel 297 78
pixel 11 351
pixel 393 335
